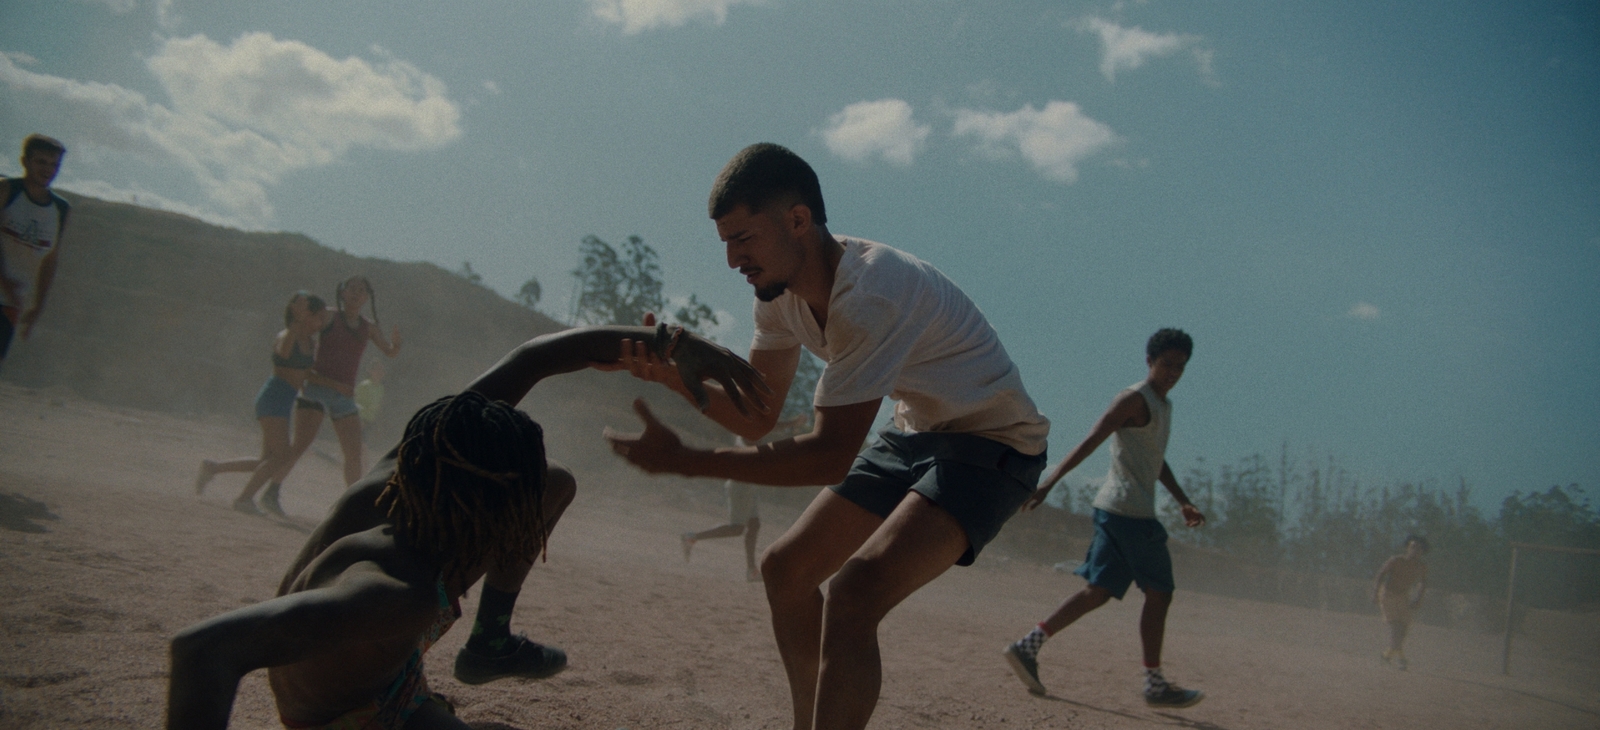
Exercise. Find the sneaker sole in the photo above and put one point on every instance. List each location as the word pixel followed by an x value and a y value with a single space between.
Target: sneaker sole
pixel 1198 695
pixel 1033 685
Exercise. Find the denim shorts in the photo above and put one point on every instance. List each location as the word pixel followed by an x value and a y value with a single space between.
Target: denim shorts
pixel 979 481
pixel 275 399
pixel 320 397
pixel 1127 550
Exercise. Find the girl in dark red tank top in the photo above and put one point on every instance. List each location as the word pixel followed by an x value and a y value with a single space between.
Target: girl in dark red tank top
pixel 331 385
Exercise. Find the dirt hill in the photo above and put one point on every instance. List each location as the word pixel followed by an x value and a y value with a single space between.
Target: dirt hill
pixel 160 311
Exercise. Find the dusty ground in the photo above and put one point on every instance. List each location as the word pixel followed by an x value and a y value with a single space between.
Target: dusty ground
pixel 105 552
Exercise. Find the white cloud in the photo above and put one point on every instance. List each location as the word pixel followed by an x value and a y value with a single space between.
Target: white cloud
pixel 1129 48
pixel 637 16
pixel 882 128
pixel 242 116
pixel 491 87
pixel 1054 140
pixel 1363 311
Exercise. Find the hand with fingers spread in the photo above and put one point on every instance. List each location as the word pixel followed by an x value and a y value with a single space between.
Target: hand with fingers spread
pixel 655 450
pixel 682 361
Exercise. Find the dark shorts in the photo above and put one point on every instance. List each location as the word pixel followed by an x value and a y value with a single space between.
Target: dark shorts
pixel 275 399
pixel 6 332
pixel 1127 550
pixel 978 481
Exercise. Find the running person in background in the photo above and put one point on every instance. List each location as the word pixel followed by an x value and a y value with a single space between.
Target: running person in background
pixel 467 494
pixel 1391 590
pixel 966 450
pixel 331 386
pixel 292 354
pixel 1130 545
pixel 744 518
pixel 32 220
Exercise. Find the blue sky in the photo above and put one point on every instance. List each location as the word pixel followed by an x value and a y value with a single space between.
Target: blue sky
pixel 1380 221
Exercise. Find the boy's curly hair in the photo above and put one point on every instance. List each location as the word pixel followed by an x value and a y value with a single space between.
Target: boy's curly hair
pixel 468 486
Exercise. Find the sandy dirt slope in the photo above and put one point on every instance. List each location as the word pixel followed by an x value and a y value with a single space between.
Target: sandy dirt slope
pixel 105 552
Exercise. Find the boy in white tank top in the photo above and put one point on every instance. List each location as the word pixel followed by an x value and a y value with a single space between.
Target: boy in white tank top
pixel 1130 545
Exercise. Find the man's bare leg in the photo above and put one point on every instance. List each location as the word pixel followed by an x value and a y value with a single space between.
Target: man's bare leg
pixel 794 568
pixel 492 652
pixel 1153 625
pixel 752 528
pixel 1075 607
pixel 919 542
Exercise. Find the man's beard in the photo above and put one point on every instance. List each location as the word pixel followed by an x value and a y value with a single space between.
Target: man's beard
pixel 771 291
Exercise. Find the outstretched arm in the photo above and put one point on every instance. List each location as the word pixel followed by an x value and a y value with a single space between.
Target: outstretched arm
pixel 823 456
pixel 1126 410
pixel 777 368
pixel 696 359
pixel 389 346
pixel 209 658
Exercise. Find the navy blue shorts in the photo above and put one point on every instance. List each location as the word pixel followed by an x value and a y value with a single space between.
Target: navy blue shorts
pixel 980 482
pixel 275 399
pixel 1127 550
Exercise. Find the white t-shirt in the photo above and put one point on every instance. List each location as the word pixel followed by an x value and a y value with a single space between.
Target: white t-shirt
pixel 898 328
pixel 28 232
pixel 1136 458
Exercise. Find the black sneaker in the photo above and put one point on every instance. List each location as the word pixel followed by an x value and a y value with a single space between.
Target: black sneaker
pixel 1027 669
pixel 529 660
pixel 1161 693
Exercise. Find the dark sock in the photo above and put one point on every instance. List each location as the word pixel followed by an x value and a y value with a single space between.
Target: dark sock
pixel 491 630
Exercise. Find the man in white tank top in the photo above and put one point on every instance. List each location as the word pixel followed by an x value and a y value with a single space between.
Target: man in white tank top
pixel 1130 545
pixel 32 218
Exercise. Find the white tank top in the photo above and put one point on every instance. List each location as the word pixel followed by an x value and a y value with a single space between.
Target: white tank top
pixel 1136 458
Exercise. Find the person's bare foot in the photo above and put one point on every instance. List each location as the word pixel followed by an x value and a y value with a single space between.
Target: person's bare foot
pixel 247 506
pixel 752 575
pixel 208 469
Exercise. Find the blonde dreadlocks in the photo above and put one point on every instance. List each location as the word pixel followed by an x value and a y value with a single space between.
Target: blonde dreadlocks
pixel 468 486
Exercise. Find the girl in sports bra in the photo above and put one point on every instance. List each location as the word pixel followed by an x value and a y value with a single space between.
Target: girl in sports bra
pixel 330 386
pixel 293 353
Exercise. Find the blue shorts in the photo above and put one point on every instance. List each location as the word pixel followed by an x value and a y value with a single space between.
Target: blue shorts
pixel 980 482
pixel 1127 550
pixel 322 398
pixel 276 399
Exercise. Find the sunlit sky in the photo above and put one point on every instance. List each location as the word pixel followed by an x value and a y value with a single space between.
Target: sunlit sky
pixel 1380 221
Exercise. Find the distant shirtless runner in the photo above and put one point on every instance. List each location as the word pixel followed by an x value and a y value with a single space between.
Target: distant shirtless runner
pixel 1391 590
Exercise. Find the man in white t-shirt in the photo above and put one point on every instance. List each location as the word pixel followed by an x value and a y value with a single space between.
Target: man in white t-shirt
pixel 966 450
pixel 32 218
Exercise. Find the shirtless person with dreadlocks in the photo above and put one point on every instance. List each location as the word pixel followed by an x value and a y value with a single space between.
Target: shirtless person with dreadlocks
pixel 467 494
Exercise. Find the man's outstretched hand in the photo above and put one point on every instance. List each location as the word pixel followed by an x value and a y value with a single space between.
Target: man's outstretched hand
pixel 654 450
pixel 698 359
pixel 683 361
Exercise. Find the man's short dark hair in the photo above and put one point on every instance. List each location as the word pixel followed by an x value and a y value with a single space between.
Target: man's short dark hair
pixel 1419 540
pixel 1169 338
pixel 762 174
pixel 40 143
